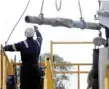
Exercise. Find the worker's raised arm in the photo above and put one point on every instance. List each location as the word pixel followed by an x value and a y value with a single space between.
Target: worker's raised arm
pixel 39 36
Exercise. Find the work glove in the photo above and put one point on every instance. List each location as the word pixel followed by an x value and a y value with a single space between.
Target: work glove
pixel 35 28
pixel 98 41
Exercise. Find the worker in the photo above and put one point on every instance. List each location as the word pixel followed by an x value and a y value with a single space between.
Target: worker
pixel 30 73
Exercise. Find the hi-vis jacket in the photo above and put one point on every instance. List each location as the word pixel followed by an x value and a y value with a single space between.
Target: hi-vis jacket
pixel 29 49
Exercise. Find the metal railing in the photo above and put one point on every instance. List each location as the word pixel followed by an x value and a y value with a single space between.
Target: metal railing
pixel 78 71
pixel 48 81
pixel 78 65
pixel 6 68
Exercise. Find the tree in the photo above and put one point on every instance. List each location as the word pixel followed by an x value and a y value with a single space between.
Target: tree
pixel 59 78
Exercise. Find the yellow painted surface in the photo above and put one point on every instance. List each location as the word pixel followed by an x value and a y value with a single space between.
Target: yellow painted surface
pixel 49 79
pixel 106 83
pixel 5 72
pixel 6 68
pixel 0 70
pixel 11 68
pixel 107 78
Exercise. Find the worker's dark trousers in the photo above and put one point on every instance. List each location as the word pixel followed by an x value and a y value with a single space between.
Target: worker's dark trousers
pixel 30 77
pixel 89 79
pixel 95 78
pixel 42 83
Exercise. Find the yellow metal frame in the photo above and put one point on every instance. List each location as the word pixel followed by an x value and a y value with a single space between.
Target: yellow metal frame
pixel 107 78
pixel 1 76
pixel 78 65
pixel 49 77
pixel 52 43
pixel 6 68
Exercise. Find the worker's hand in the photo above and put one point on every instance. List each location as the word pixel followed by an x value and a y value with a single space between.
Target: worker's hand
pixel 35 28
pixel 98 41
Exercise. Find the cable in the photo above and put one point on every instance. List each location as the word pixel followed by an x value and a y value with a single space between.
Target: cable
pixel 41 7
pixel 99 2
pixel 58 8
pixel 17 22
pixel 81 18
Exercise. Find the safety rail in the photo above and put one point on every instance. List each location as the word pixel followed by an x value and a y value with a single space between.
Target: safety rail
pixel 52 43
pixel 49 79
pixel 6 68
pixel 72 64
pixel 78 65
pixel 49 72
pixel 78 72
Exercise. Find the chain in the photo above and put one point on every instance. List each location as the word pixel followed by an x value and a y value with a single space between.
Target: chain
pixel 60 4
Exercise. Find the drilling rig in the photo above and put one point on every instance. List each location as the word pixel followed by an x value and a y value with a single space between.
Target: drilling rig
pixel 100 55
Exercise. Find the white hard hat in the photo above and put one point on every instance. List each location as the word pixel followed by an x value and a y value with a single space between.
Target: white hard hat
pixel 29 32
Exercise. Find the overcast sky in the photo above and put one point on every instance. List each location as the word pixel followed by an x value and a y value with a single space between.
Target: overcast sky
pixel 11 10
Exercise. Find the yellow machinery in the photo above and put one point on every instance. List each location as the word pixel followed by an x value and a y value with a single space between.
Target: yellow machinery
pixel 7 68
